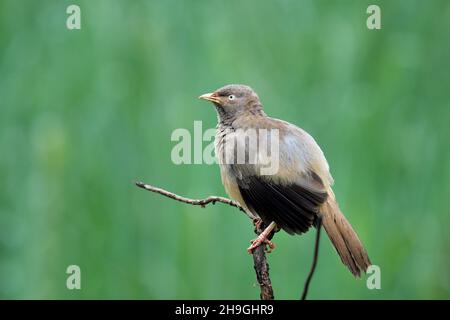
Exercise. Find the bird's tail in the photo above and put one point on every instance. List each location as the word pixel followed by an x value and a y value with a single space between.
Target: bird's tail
pixel 344 238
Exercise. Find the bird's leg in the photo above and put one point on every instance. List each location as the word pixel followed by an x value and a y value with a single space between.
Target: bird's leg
pixel 257 222
pixel 263 239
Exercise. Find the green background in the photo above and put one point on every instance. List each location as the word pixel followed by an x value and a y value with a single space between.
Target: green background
pixel 84 113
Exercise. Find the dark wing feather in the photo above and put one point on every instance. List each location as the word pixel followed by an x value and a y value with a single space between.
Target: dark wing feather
pixel 292 207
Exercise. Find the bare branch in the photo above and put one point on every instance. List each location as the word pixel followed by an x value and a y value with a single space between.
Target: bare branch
pixel 195 202
pixel 259 256
pixel 316 256
pixel 262 268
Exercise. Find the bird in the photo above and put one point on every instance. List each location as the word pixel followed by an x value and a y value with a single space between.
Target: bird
pixel 297 194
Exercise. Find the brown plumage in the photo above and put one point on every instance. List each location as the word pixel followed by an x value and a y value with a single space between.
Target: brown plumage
pixel 297 191
pixel 344 238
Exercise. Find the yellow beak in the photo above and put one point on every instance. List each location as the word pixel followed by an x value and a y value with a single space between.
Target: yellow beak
pixel 210 97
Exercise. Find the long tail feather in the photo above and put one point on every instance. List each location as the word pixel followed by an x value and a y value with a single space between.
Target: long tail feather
pixel 344 238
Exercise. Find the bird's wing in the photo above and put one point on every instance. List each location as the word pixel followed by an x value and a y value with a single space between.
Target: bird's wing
pixel 292 207
pixel 292 194
pixel 301 156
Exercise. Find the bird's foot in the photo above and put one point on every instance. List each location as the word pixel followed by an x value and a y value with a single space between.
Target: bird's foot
pixel 261 240
pixel 263 237
pixel 257 222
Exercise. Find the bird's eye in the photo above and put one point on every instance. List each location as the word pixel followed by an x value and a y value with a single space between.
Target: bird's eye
pixel 231 97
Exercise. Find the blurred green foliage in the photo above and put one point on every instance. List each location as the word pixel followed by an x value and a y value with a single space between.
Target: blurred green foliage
pixel 84 113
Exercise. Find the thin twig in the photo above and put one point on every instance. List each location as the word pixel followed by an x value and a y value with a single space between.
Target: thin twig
pixel 195 202
pixel 316 256
pixel 259 256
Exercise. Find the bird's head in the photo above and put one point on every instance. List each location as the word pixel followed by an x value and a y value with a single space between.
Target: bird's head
pixel 233 100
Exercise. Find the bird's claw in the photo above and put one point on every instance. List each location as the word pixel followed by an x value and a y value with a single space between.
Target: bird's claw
pixel 261 240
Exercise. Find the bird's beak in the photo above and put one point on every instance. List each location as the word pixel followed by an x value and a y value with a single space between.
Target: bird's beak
pixel 210 97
